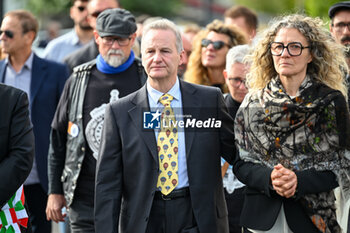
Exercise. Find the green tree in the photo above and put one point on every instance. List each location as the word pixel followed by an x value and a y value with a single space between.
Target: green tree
pixel 46 8
pixel 165 8
pixel 273 7
pixel 279 7
pixel 318 8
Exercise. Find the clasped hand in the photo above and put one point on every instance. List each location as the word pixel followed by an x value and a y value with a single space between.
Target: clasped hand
pixel 284 181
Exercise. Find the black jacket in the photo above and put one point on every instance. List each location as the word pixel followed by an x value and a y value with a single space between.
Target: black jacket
pixel 66 153
pixel 82 55
pixel 16 141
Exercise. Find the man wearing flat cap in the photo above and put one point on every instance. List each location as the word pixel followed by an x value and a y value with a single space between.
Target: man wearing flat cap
pixel 339 14
pixel 76 128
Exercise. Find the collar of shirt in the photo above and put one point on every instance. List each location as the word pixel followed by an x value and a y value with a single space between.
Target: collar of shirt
pixel 28 64
pixel 154 94
pixel 75 39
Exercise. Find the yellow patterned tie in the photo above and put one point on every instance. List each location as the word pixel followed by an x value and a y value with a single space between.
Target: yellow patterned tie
pixel 167 144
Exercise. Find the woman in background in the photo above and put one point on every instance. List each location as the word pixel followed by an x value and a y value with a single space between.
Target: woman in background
pixel 208 57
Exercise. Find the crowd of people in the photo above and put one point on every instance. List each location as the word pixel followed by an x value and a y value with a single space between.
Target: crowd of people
pixel 134 125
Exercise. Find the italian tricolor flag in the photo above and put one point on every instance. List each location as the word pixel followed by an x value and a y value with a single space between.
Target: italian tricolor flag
pixel 13 214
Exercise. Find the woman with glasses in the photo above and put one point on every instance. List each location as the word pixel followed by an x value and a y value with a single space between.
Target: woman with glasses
pixel 208 58
pixel 292 131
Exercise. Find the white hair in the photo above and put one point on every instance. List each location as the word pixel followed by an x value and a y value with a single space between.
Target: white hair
pixel 236 54
pixel 164 24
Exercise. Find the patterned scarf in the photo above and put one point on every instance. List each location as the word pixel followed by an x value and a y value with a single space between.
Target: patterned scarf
pixel 309 131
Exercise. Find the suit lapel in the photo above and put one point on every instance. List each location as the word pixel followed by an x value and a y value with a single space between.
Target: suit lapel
pixel 190 105
pixel 39 72
pixel 2 71
pixel 136 114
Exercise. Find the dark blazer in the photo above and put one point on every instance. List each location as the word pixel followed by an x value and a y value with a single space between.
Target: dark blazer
pixel 16 141
pixel 47 83
pixel 126 146
pixel 262 204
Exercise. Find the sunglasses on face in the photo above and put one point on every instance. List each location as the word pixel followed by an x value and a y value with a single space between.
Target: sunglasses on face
pixel 216 44
pixel 81 8
pixel 8 33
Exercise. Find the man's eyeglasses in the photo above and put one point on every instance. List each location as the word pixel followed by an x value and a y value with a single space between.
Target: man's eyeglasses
pixel 111 40
pixel 236 82
pixel 216 44
pixel 8 33
pixel 293 48
pixel 81 8
pixel 341 26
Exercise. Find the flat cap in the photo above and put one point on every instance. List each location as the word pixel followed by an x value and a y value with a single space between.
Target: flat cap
pixel 116 22
pixel 338 6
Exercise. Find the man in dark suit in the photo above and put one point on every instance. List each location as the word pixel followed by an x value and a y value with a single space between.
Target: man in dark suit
pixel 16 144
pixel 43 81
pixel 181 190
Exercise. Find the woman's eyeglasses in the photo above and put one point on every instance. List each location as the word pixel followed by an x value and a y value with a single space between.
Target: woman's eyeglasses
pixel 8 33
pixel 293 48
pixel 216 44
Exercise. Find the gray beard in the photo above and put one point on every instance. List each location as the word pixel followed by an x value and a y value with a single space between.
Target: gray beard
pixel 112 60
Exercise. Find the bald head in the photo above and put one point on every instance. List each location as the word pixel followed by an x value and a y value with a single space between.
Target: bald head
pixel 188 49
pixel 95 7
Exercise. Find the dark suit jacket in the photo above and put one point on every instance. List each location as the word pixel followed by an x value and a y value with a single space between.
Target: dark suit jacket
pixel 47 83
pixel 262 204
pixel 16 141
pixel 127 168
pixel 87 53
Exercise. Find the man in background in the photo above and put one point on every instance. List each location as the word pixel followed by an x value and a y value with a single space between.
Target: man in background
pixel 187 45
pixel 339 27
pixel 43 81
pixel 90 50
pixel 244 18
pixel 235 76
pixel 82 33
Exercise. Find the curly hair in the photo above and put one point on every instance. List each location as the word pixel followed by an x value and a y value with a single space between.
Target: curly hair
pixel 328 63
pixel 196 72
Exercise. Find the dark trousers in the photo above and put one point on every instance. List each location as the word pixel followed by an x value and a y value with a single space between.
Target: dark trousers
pixel 234 203
pixel 81 216
pixel 172 216
pixel 36 199
pixel 348 230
